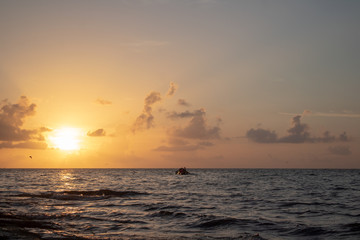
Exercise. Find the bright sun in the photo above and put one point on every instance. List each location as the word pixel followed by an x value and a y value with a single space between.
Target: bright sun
pixel 66 138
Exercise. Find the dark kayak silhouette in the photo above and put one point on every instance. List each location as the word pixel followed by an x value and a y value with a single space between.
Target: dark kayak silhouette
pixel 182 171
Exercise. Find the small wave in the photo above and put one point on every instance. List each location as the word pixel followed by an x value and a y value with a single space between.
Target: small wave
pixel 24 221
pixel 292 204
pixel 154 207
pixel 220 222
pixel 104 192
pixel 168 214
pixel 309 231
pixel 352 227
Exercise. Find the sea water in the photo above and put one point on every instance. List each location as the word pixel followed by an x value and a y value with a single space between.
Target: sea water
pixel 157 204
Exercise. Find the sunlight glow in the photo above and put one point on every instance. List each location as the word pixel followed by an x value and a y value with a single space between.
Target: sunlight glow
pixel 66 139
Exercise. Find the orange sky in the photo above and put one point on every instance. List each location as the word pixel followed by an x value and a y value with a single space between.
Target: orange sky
pixel 158 83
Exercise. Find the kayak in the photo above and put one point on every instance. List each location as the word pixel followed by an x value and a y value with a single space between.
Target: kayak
pixel 181 171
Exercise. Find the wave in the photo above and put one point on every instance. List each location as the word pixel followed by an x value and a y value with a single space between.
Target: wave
pixel 82 195
pixel 168 214
pixel 352 227
pixel 222 222
pixel 218 223
pixel 307 231
pixel 24 221
pixel 292 204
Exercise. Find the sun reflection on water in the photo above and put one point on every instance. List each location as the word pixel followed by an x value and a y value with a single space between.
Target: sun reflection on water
pixel 68 179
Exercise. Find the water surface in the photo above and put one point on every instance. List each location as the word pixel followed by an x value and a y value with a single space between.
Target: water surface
pixel 157 204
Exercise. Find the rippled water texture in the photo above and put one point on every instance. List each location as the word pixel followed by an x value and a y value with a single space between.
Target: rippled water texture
pixel 157 204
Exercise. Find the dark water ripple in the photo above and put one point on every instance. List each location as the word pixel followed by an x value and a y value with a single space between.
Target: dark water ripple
pixel 155 204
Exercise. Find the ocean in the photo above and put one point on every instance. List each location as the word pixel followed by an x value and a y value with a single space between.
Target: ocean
pixel 157 204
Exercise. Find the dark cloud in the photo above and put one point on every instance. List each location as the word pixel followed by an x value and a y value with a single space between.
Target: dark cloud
pixel 298 133
pixel 12 118
pixel 172 89
pixel 97 133
pixel 197 128
pixel 327 137
pixel 261 135
pixel 183 102
pixel 145 119
pixel 187 114
pixel 103 101
pixel 340 150
pixel 343 137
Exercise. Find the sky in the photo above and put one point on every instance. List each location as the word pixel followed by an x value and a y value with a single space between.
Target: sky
pixel 167 84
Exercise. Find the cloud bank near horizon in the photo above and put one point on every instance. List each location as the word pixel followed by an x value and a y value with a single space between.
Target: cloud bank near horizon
pixel 297 133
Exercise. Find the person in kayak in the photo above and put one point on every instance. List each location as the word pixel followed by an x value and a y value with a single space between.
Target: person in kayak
pixel 182 171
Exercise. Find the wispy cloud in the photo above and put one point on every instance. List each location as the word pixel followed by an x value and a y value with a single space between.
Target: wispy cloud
pixel 309 113
pixel 103 101
pixel 187 114
pixel 97 133
pixel 192 136
pixel 172 89
pixel 183 102
pixel 146 118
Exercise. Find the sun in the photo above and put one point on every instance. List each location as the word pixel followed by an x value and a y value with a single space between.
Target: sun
pixel 66 138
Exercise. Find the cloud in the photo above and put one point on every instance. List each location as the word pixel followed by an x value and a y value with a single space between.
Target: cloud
pixel 298 133
pixel 178 145
pixel 197 128
pixel 12 118
pixel 340 150
pixel 15 114
pixel 103 101
pixel 172 89
pixel 145 119
pixel 187 114
pixel 97 133
pixel 327 137
pixel 261 135
pixel 344 114
pixel 182 102
pixel 306 112
pixel 343 137
pixel 28 145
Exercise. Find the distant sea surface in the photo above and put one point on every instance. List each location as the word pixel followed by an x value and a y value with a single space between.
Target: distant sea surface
pixel 157 204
